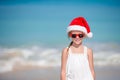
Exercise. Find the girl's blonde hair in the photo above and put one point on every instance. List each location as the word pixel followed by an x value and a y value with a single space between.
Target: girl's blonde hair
pixel 71 41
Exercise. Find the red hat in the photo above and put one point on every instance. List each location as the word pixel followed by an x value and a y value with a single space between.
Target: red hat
pixel 80 24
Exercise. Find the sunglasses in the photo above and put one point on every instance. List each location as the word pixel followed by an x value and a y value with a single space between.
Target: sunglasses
pixel 75 35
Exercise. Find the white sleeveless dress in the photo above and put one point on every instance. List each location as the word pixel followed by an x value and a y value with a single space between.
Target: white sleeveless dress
pixel 77 67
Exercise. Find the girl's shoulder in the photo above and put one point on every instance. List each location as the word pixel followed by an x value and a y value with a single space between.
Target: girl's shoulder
pixel 65 53
pixel 65 49
pixel 89 51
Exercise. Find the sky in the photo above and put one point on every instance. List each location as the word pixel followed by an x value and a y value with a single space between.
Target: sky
pixel 24 22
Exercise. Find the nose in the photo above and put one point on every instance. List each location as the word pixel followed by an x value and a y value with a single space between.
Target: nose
pixel 77 36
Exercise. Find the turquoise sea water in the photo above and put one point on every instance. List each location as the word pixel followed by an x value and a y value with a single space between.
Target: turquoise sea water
pixel 45 22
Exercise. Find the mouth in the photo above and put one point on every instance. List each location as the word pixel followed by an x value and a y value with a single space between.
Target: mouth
pixel 77 40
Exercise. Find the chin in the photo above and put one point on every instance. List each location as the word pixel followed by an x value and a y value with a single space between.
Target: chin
pixel 78 42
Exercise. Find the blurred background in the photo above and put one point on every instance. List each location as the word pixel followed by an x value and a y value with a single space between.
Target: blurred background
pixel 33 34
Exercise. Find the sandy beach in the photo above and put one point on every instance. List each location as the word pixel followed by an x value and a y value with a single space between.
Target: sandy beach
pixel 107 73
pixel 53 73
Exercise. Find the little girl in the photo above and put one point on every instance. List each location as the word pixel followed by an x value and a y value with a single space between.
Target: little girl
pixel 77 60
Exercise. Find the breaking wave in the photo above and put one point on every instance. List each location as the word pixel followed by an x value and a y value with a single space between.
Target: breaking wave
pixel 50 57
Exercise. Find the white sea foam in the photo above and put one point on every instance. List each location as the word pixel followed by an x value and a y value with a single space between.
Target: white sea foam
pixel 40 56
pixel 5 66
pixel 107 58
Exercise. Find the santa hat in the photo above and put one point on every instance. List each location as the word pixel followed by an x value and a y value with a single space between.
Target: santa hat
pixel 80 24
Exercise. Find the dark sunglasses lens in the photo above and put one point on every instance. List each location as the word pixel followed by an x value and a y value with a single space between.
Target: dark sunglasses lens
pixel 81 35
pixel 73 35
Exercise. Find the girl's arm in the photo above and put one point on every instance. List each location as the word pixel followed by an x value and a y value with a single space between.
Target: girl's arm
pixel 63 63
pixel 91 62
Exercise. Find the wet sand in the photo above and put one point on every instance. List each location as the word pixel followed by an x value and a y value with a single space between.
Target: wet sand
pixel 53 73
pixel 108 73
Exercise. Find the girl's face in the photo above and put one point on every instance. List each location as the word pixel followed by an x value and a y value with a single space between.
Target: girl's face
pixel 76 36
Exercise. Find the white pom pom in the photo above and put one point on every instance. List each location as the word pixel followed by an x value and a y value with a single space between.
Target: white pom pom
pixel 90 35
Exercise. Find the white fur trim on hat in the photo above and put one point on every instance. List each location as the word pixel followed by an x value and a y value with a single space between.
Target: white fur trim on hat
pixel 76 27
pixel 79 28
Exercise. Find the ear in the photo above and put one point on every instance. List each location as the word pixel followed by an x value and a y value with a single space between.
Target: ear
pixel 69 34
